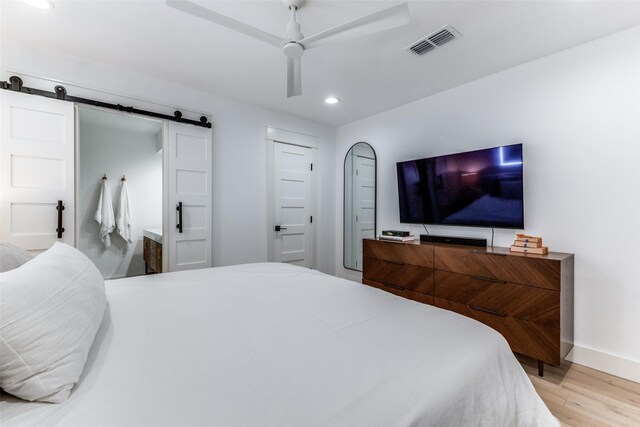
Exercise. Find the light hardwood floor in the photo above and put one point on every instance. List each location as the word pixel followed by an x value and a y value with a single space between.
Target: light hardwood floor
pixel 581 396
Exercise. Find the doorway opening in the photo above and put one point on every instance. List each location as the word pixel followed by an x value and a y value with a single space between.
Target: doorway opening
pixel 119 155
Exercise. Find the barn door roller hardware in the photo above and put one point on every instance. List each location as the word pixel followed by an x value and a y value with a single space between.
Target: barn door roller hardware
pixel 15 84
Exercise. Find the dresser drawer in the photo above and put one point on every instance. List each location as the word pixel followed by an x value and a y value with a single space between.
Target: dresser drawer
pixel 400 253
pixel 415 296
pixel 406 276
pixel 535 340
pixel 528 303
pixel 538 272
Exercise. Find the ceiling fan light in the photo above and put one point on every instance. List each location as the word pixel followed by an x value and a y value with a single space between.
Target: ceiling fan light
pixel 331 100
pixel 40 4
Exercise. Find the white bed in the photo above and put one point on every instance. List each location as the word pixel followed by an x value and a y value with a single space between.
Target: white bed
pixel 277 345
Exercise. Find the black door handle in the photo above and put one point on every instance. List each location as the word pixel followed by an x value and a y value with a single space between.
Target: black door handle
pixel 179 224
pixel 389 285
pixel 60 208
pixel 278 228
pixel 486 310
pixel 488 279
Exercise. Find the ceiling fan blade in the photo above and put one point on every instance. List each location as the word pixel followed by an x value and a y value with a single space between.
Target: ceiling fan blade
pixel 211 16
pixel 385 19
pixel 294 77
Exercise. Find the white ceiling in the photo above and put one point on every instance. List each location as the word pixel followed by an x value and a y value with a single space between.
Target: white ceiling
pixel 370 74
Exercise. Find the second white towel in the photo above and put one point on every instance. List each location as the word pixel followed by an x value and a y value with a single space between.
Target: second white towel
pixel 124 219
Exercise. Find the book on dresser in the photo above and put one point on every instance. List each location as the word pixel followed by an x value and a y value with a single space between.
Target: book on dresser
pixel 527 298
pixel 528 239
pixel 395 233
pixel 398 238
pixel 530 250
pixel 524 244
pixel 528 245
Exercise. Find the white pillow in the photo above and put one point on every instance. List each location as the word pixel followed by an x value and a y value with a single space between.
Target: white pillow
pixel 50 311
pixel 12 256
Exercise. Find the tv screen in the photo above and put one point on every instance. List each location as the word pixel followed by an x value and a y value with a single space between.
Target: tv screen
pixel 480 188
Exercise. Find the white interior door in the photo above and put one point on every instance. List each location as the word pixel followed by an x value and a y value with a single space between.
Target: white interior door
pixel 364 203
pixel 292 204
pixel 37 170
pixel 189 182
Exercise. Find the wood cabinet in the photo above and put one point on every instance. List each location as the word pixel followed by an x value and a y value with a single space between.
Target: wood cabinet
pixel 527 298
pixel 152 256
pixel 404 270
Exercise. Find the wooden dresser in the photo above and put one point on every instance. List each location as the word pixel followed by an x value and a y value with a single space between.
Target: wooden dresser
pixel 527 298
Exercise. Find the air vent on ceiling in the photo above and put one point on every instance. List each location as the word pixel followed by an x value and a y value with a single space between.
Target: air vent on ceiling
pixel 423 46
pixel 436 39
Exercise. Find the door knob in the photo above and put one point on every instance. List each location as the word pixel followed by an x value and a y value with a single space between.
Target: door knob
pixel 278 228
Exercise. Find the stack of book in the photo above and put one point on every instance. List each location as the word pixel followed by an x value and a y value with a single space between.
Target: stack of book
pixel 397 236
pixel 529 244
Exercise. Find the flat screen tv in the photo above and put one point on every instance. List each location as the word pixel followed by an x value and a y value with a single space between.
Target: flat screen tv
pixel 480 188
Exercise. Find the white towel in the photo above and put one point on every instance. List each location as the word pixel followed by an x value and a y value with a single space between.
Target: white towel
pixel 123 218
pixel 104 214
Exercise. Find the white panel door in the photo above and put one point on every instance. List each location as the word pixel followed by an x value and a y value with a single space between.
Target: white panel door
pixel 37 170
pixel 189 198
pixel 364 203
pixel 292 204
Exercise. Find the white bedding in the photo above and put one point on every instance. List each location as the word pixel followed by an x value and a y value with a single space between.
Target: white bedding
pixel 277 345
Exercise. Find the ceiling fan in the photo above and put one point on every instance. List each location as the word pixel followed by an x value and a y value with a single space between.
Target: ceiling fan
pixel 293 44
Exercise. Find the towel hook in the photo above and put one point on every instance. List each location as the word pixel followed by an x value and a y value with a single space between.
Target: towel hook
pixel 123 178
pixel 104 177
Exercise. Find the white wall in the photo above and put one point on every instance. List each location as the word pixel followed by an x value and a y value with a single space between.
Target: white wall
pixel 239 147
pixel 578 114
pixel 118 152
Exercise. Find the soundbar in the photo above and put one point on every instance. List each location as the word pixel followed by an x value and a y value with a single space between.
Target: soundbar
pixel 466 241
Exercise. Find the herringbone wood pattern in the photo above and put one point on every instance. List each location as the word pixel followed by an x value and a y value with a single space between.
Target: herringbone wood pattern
pixel 511 267
pixel 541 342
pixel 407 276
pixel 528 303
pixel 421 255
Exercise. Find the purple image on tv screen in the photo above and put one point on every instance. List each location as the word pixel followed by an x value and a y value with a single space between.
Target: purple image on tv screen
pixel 481 188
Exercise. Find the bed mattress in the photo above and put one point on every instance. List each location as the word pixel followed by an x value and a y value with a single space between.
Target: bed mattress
pixel 278 345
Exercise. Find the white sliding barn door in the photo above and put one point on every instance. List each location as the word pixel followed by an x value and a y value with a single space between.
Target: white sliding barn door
pixel 189 181
pixel 292 204
pixel 37 170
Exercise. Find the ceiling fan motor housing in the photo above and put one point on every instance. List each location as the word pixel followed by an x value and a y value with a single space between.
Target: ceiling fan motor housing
pixel 293 32
pixel 293 50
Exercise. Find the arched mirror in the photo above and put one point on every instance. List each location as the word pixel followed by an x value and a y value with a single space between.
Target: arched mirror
pixel 359 202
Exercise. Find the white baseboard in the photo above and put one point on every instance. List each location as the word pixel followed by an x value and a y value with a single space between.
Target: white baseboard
pixel 605 362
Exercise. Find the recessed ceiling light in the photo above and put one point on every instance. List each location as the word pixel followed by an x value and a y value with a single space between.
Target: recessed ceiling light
pixel 40 4
pixel 332 100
